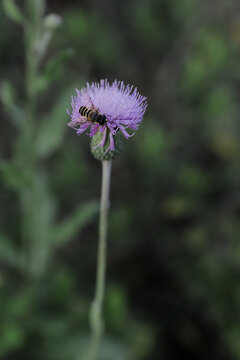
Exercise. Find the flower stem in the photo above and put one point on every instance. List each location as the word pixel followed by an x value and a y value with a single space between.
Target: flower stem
pixel 96 317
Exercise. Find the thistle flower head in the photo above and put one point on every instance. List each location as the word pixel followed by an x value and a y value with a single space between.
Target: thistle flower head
pixel 122 105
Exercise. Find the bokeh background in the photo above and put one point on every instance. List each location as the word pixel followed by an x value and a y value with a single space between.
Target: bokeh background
pixel 173 273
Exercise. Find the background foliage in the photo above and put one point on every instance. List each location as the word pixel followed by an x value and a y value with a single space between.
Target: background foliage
pixel 173 257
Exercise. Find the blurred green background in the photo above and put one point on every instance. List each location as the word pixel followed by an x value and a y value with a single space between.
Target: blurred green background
pixel 173 273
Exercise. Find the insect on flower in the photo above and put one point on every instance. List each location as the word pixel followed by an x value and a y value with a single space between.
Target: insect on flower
pixel 107 108
pixel 92 115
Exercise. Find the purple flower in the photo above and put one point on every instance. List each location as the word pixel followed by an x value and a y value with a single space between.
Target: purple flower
pixel 122 105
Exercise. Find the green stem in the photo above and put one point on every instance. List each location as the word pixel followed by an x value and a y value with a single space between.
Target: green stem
pixel 26 155
pixel 97 323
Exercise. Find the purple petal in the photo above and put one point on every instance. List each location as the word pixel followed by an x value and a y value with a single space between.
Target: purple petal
pixel 123 106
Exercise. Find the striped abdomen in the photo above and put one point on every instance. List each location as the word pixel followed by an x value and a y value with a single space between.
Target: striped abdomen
pixel 91 115
pixel 87 113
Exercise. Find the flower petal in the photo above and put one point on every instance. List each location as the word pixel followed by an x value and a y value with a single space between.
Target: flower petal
pixel 123 106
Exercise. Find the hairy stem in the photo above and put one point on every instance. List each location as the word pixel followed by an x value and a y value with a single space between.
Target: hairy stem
pixel 31 198
pixel 97 324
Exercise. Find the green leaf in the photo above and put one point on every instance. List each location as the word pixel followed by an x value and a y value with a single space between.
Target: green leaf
pixel 53 69
pixel 51 131
pixel 8 99
pixel 65 231
pixel 7 93
pixel 10 255
pixel 13 175
pixel 12 11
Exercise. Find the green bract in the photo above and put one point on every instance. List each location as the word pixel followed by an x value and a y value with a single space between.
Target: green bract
pixel 101 153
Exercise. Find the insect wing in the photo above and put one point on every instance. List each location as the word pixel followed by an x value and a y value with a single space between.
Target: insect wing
pixel 91 105
pixel 77 123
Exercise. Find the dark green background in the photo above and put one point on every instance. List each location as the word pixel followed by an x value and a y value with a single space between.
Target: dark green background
pixel 173 273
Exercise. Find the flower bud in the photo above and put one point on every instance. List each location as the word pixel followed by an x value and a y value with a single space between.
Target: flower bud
pixel 52 22
pixel 103 152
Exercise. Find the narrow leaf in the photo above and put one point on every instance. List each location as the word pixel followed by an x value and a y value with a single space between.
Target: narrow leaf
pixel 9 255
pixel 53 69
pixel 65 231
pixel 52 130
pixel 13 175
pixel 8 99
pixel 12 11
